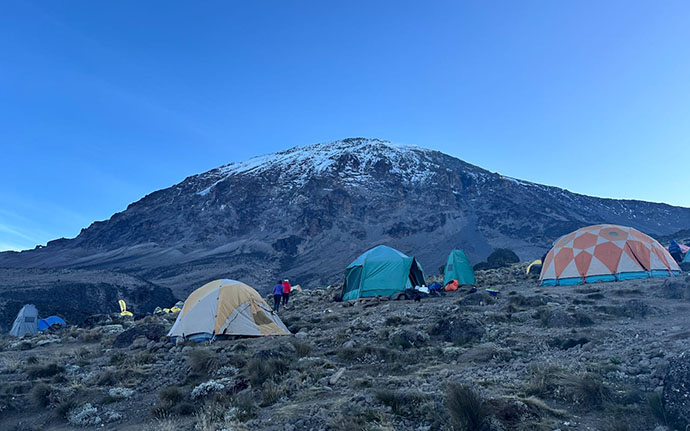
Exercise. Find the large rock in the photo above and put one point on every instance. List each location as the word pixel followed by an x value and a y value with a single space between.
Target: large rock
pixel 676 393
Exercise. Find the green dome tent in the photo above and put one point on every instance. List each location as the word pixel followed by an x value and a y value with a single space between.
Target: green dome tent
pixel 458 268
pixel 381 271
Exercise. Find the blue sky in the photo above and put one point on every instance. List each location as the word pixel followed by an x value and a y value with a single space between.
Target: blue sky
pixel 104 102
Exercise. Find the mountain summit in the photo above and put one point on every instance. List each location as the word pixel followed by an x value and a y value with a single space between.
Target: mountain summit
pixel 307 212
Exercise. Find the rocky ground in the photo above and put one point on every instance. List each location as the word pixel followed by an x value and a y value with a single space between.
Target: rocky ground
pixel 599 357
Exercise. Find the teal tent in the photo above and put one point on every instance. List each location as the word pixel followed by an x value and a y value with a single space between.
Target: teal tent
pixel 458 268
pixel 381 271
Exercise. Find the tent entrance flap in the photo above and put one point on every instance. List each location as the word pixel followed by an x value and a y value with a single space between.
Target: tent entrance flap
pixel 416 274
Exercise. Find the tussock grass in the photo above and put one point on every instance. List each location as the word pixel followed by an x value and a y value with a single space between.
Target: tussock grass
pixel 656 406
pixel 271 392
pixel 400 402
pixel 260 370
pixel 171 395
pixel 466 408
pixel 106 378
pixel 63 407
pixel 363 353
pixel 41 371
pixel 302 348
pixel 203 361
pixel 246 406
pixel 587 390
pixel 40 395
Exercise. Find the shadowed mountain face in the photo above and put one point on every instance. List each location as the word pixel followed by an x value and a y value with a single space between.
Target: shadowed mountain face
pixel 307 212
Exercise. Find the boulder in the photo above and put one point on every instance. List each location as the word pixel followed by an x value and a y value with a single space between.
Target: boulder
pixel 676 392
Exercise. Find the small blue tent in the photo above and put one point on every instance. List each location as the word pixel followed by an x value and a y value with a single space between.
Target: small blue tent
pixel 46 323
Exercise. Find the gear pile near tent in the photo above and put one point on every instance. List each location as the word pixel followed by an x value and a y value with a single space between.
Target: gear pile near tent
pixel 605 253
pixel 458 268
pixel 381 271
pixel 26 321
pixel 225 307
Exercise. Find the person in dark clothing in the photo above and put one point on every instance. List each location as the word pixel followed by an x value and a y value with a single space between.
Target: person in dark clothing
pixel 675 251
pixel 286 291
pixel 277 295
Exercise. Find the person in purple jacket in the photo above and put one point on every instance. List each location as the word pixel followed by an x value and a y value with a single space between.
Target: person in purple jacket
pixel 277 295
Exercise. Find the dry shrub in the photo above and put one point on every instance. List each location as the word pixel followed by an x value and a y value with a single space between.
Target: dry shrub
pixel 466 408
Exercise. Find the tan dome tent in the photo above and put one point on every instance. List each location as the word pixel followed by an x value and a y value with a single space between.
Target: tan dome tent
pixel 225 307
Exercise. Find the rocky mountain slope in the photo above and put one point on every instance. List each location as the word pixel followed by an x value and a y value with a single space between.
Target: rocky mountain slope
pixel 75 294
pixel 606 357
pixel 307 212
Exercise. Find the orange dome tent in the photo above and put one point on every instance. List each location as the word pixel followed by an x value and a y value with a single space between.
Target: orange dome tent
pixel 605 252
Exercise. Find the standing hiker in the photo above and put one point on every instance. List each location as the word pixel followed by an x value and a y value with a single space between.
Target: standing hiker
pixel 286 291
pixel 277 294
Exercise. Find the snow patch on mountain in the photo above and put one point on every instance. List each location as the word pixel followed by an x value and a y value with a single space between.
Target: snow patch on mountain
pixel 297 165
